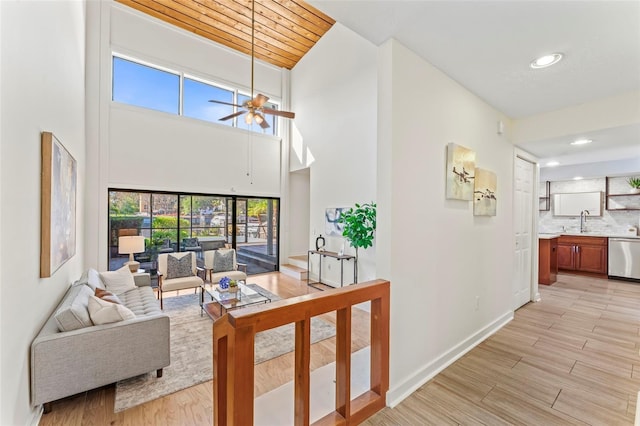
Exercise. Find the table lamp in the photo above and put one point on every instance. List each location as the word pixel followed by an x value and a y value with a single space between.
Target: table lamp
pixel 130 245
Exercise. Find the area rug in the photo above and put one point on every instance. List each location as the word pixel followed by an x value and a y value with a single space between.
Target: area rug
pixel 192 352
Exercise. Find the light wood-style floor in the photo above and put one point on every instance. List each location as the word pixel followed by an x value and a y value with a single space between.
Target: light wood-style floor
pixel 570 359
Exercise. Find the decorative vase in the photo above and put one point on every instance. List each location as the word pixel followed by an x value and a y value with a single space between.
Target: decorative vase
pixel 634 191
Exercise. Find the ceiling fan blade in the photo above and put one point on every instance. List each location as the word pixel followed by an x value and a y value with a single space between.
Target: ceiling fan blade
pixel 259 100
pixel 285 114
pixel 235 114
pixel 261 120
pixel 223 103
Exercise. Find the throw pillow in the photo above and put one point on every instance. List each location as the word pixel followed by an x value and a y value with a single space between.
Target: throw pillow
pixel 93 279
pixel 75 315
pixel 179 267
pixel 223 261
pixel 117 282
pixel 107 296
pixel 103 312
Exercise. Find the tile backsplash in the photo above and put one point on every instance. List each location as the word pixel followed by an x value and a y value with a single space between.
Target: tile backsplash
pixel 611 222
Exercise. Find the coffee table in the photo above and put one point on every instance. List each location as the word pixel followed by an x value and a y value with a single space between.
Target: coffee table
pixel 223 301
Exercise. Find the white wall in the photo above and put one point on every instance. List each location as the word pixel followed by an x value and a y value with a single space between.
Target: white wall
pixel 299 213
pixel 41 89
pixel 154 150
pixel 334 96
pixel 629 166
pixel 441 257
pixel 135 148
pixel 621 110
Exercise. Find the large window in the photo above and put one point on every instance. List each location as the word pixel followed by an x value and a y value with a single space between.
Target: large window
pixel 196 103
pixel 145 86
pixel 167 220
pixel 149 86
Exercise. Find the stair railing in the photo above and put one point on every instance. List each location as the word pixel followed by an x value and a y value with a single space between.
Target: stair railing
pixel 233 354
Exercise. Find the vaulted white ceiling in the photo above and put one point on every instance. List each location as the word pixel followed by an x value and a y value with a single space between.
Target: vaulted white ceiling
pixel 487 46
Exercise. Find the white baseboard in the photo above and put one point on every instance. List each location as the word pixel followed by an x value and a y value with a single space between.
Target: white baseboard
pixel 36 416
pixel 429 371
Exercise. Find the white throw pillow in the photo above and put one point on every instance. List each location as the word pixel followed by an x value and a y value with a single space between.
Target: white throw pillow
pixel 117 282
pixel 103 312
pixel 93 279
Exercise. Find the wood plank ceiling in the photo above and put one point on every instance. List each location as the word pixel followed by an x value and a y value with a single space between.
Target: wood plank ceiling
pixel 285 30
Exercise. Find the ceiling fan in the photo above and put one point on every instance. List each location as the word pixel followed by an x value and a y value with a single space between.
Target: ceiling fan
pixel 254 107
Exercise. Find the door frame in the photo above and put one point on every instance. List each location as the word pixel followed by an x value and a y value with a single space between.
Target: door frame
pixel 524 155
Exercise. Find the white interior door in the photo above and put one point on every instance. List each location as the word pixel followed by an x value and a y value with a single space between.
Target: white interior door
pixel 523 222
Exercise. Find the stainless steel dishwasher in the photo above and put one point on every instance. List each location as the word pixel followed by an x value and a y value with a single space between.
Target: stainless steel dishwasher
pixel 624 258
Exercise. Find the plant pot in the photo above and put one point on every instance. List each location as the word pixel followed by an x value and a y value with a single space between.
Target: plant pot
pixel 634 191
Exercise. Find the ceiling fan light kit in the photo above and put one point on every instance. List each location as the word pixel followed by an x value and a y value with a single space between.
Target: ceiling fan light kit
pixel 255 106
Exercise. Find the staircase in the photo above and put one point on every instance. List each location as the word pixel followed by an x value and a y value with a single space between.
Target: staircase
pixel 296 268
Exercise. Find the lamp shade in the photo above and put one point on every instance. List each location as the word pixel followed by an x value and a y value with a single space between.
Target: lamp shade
pixel 131 244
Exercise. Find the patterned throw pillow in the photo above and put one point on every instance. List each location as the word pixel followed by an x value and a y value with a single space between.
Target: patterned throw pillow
pixel 179 267
pixel 223 261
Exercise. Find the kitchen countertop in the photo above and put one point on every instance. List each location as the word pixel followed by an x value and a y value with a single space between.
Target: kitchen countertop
pixel 544 236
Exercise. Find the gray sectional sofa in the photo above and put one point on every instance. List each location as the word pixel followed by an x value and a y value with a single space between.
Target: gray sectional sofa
pixel 87 356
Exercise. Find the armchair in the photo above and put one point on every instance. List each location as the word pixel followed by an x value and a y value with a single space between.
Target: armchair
pixel 192 244
pixel 173 276
pixel 222 267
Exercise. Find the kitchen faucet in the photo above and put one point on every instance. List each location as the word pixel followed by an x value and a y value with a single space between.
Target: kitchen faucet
pixel 583 220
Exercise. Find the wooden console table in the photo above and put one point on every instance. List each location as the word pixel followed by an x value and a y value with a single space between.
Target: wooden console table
pixel 340 257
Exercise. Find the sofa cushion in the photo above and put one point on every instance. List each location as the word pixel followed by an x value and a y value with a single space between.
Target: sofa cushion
pixel 106 296
pixel 179 267
pixel 119 281
pixel 182 283
pixel 103 312
pixel 142 301
pixel 75 315
pixel 223 261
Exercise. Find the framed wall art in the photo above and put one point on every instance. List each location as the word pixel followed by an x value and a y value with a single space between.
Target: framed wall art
pixel 58 205
pixel 484 194
pixel 331 225
pixel 461 166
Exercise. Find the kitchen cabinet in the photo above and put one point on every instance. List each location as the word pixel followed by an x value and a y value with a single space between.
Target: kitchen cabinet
pixel 547 260
pixel 583 254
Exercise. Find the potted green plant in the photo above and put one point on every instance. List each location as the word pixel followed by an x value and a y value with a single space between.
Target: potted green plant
pixel 634 183
pixel 359 226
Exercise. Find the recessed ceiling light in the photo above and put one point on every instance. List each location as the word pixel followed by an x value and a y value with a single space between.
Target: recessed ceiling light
pixel 546 60
pixel 553 163
pixel 578 178
pixel 581 142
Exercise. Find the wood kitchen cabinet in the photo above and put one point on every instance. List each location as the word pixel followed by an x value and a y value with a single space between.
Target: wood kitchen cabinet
pixel 547 260
pixel 583 254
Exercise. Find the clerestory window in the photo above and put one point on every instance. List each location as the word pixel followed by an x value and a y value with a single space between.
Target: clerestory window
pixel 151 86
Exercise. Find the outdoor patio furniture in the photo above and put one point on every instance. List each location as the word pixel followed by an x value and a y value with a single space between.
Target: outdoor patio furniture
pixel 192 245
